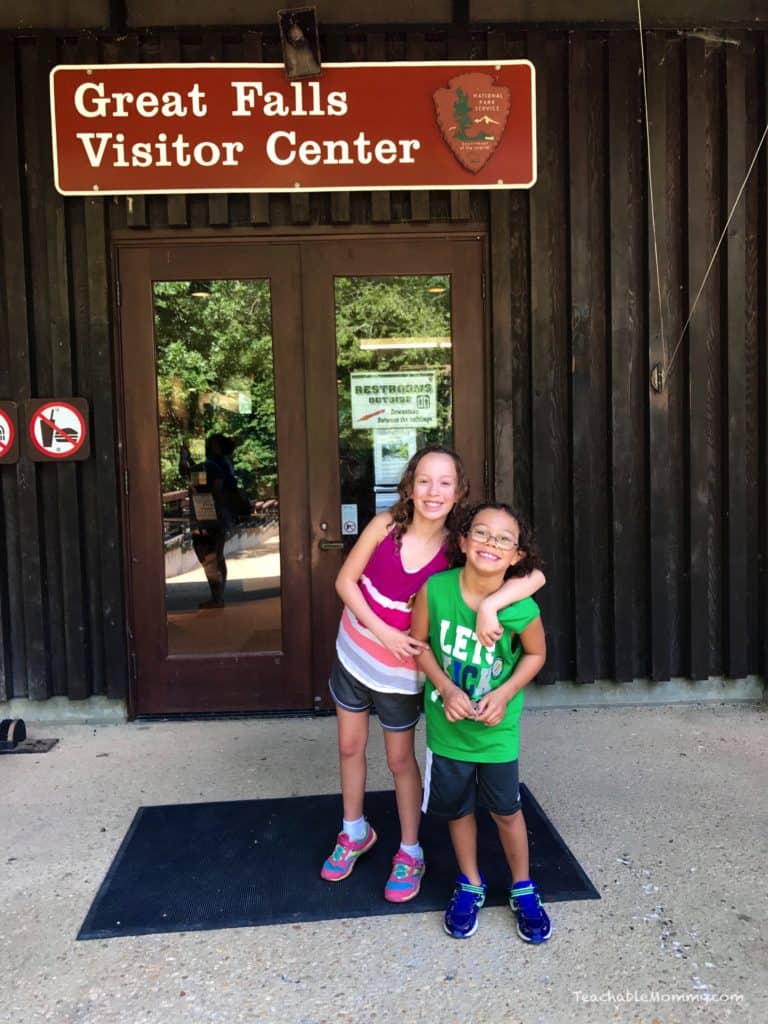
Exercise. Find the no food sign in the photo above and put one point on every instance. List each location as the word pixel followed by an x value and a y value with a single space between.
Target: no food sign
pixel 58 429
pixel 9 443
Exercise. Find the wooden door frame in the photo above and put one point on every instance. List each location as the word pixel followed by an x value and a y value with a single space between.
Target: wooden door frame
pixel 125 240
pixel 180 684
pixel 345 258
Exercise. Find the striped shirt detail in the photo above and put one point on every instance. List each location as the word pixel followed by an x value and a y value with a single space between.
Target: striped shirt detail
pixel 394 613
pixel 389 589
pixel 366 659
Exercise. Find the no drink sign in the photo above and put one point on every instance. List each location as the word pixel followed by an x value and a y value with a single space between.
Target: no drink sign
pixel 9 439
pixel 58 429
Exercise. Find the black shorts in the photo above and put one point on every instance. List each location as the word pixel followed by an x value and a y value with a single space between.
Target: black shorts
pixel 453 789
pixel 396 711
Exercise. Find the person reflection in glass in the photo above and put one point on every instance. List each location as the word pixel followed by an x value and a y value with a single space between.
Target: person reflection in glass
pixel 209 536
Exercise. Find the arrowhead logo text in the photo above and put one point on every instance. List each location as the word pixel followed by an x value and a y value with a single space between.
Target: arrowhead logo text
pixel 472 114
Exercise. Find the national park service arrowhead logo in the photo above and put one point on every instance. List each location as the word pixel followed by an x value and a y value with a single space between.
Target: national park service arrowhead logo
pixel 472 113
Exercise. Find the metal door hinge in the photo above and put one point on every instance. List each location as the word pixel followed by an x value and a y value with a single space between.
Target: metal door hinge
pixel 125 482
pixel 118 292
pixel 132 665
pixel 482 285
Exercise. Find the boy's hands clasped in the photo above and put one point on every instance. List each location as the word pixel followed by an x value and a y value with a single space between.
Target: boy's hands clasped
pixel 489 710
pixel 492 707
pixel 456 704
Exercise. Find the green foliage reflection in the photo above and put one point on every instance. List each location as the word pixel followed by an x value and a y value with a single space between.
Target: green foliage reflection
pixel 408 308
pixel 215 366
pixel 215 374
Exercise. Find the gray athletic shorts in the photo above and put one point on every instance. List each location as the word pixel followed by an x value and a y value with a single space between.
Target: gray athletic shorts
pixel 453 789
pixel 396 711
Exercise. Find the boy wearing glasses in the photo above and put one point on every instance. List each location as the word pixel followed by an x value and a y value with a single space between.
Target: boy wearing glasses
pixel 473 701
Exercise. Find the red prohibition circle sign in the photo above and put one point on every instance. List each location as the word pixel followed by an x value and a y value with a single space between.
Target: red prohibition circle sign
pixel 57 430
pixel 7 433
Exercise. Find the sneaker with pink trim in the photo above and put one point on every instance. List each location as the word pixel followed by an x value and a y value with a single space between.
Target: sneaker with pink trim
pixel 341 862
pixel 404 880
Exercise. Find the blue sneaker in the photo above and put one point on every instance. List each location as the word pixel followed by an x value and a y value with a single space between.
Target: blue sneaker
pixel 461 916
pixel 533 925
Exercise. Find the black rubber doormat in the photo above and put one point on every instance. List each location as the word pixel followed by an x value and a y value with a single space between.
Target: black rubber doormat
pixel 192 867
pixel 30 747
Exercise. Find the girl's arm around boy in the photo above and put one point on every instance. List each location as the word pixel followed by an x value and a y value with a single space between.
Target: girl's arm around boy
pixel 488 628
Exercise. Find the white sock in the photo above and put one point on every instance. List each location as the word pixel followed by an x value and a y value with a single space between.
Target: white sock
pixel 413 851
pixel 354 829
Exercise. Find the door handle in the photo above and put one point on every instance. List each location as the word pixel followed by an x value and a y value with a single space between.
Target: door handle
pixel 331 545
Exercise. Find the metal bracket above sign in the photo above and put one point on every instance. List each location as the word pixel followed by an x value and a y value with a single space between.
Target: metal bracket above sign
pixel 301 42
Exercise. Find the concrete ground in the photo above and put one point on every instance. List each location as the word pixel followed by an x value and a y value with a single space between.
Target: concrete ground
pixel 665 807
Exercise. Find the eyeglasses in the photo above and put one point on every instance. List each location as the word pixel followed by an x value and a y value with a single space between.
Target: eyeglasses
pixel 503 541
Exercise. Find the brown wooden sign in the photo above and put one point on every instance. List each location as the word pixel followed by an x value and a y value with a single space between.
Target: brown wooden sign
pixel 9 432
pixel 57 429
pixel 162 128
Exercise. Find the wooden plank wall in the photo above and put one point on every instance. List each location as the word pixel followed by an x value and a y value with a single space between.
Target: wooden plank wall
pixel 651 509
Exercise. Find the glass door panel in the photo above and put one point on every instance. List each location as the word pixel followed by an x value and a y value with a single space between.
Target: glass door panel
pixel 394 384
pixel 215 442
pixel 218 465
pixel 272 392
pixel 395 357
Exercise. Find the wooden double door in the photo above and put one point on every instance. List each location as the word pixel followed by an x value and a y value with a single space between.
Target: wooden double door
pixel 272 393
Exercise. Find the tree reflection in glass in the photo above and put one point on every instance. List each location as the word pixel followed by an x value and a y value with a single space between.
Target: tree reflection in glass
pixel 218 465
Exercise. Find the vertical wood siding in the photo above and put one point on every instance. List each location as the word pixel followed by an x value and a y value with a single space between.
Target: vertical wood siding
pixel 651 509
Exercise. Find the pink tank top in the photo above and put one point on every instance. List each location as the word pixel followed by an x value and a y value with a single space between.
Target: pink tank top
pixel 390 589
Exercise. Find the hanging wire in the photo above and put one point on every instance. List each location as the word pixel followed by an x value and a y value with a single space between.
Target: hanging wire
pixel 659 372
pixel 717 250
pixel 650 178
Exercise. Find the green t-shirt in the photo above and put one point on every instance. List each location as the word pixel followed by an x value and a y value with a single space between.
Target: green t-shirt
pixel 476 669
